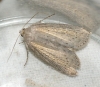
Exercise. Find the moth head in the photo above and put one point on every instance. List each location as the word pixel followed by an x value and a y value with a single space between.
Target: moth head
pixel 22 32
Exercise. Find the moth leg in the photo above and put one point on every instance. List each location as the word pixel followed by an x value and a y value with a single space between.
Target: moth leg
pixel 21 42
pixel 27 50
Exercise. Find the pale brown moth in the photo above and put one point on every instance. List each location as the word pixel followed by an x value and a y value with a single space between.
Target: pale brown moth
pixel 56 44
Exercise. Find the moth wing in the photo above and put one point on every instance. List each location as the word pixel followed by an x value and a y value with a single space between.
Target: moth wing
pixel 66 62
pixel 66 35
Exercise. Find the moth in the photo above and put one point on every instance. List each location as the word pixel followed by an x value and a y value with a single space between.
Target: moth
pixel 56 44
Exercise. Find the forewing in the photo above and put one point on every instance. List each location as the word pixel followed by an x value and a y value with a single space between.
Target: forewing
pixel 64 61
pixel 61 34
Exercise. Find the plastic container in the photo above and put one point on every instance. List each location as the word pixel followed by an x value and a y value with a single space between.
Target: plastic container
pixel 13 15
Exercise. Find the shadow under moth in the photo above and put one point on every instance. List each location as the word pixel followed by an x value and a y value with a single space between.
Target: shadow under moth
pixel 56 44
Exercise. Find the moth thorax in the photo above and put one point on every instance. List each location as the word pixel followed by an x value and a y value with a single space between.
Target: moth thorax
pixel 22 32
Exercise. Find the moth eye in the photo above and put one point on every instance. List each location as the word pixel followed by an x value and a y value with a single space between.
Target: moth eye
pixel 21 35
pixel 23 28
pixel 22 32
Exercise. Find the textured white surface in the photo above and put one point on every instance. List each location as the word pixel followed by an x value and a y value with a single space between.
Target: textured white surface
pixel 36 73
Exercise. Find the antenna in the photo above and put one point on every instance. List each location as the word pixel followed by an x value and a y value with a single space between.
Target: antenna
pixel 23 27
pixel 13 47
pixel 19 35
pixel 46 18
pixel 30 19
